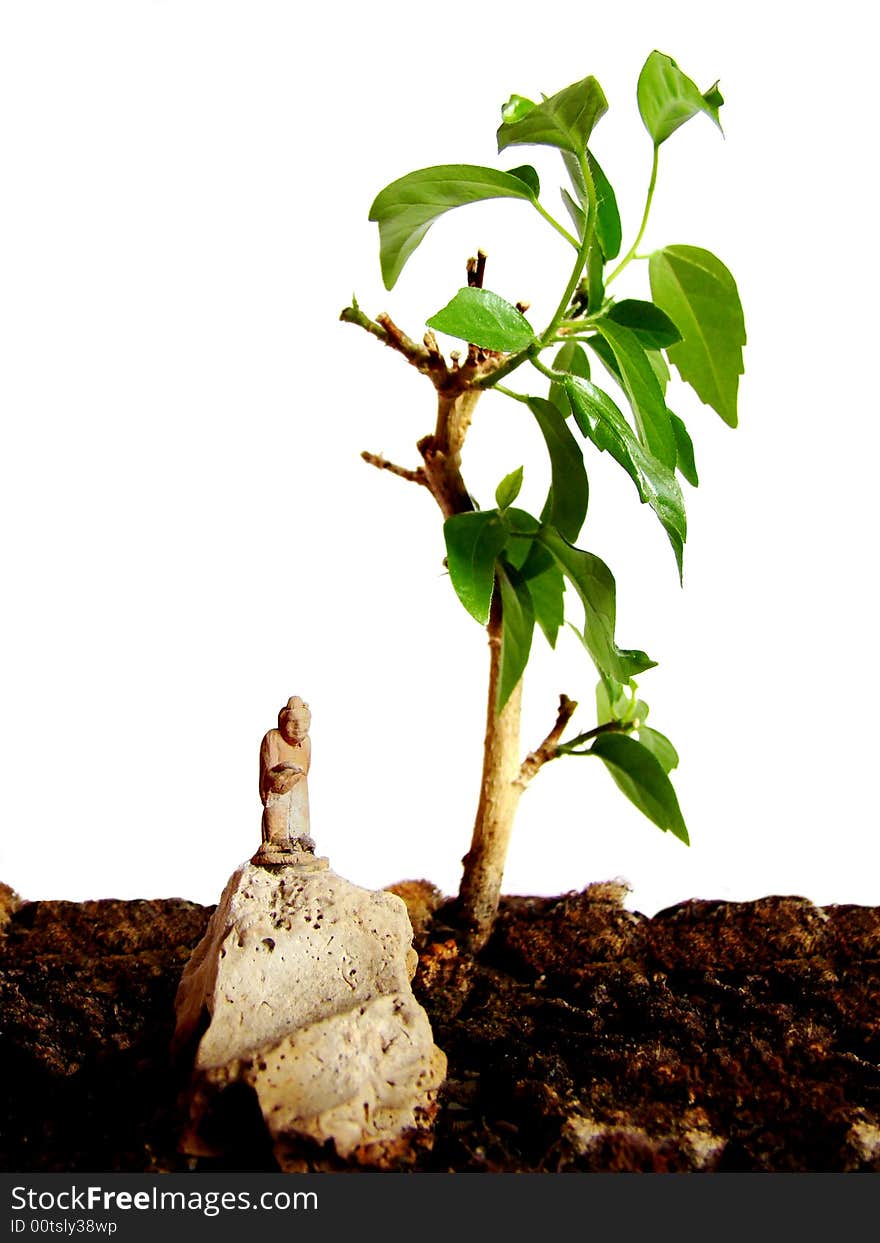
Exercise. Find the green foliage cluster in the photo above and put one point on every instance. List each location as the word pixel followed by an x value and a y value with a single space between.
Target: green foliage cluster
pixel 693 320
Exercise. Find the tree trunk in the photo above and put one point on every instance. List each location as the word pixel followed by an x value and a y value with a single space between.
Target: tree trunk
pixel 499 795
pixel 500 787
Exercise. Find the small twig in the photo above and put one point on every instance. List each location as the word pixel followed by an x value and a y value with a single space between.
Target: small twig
pixel 432 347
pixel 398 340
pixel 475 270
pixel 609 727
pixel 354 315
pixel 436 366
pixel 549 748
pixel 402 472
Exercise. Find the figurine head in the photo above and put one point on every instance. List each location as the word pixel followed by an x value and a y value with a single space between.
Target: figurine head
pixel 294 720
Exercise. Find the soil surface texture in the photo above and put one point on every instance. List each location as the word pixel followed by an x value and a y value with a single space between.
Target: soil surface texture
pixel 716 1036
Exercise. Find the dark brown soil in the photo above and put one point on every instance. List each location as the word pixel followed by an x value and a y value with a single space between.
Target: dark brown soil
pixel 716 1036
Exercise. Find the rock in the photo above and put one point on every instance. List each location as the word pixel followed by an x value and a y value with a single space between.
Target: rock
pixel 304 979
pixel 423 900
pixel 10 902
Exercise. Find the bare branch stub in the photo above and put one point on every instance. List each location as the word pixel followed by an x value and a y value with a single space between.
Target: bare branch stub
pixel 354 315
pixel 398 340
pixel 458 385
pixel 548 749
pixel 476 269
pixel 402 472
pixel 433 350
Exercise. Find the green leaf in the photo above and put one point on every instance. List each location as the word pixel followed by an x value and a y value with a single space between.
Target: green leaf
pixel 577 214
pixel 603 350
pixel 608 694
pixel 607 214
pixel 595 277
pixel 594 584
pixel 654 329
pixel 667 97
pixel 660 747
pixel 571 358
pixel 569 489
pixel 642 389
pixel 482 318
pixel 509 488
pixel 661 371
pixel 526 173
pixel 565 120
pixel 617 702
pixel 547 588
pixel 407 208
pixel 599 418
pixel 714 97
pixel 608 228
pixel 473 541
pixel 518 522
pixel 516 108
pixel 639 774
pixel 696 290
pixel 517 626
pixel 685 459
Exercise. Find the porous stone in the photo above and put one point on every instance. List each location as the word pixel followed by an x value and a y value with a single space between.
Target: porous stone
pixel 304 981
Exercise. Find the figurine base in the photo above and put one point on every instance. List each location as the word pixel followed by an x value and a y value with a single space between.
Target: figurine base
pixel 274 856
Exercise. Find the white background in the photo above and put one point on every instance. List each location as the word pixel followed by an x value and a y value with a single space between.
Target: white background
pixel 189 535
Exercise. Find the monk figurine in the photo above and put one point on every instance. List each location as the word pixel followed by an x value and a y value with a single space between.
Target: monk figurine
pixel 285 755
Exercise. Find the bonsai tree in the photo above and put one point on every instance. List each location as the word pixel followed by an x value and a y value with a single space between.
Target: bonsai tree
pixel 509 568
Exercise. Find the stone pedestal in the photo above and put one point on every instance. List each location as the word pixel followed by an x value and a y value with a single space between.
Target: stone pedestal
pixel 300 989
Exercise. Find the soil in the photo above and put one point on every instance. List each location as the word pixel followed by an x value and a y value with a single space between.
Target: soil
pixel 715 1036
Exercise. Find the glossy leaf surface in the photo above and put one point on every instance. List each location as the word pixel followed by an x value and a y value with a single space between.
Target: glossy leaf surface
pixel 572 357
pixel 600 419
pixel 473 542
pixel 594 584
pixel 569 490
pixel 565 120
pixel 576 213
pixel 595 276
pixel 509 488
pixel 660 746
pixel 642 389
pixel 639 774
pixel 517 626
pixel 529 175
pixel 608 225
pixel 685 461
pixel 699 294
pixel 546 587
pixel 661 371
pixel 667 97
pixel 407 208
pixel 653 327
pixel 482 318
pixel 516 108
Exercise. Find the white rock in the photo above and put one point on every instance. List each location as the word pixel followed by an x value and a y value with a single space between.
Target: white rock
pixel 305 979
